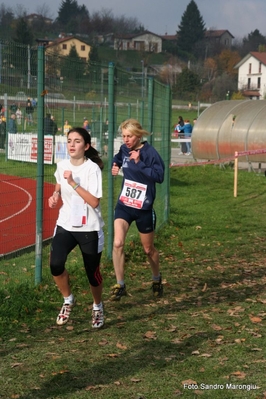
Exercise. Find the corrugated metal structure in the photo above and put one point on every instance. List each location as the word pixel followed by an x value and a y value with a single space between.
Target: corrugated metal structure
pixel 229 126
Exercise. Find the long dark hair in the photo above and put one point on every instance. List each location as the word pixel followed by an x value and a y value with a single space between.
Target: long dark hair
pixel 91 152
pixel 181 121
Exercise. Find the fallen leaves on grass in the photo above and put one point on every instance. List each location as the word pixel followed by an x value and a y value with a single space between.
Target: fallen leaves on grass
pixel 172 329
pixel 216 327
pixel 121 346
pixel 93 387
pixel 255 319
pixel 204 289
pixel 103 342
pixel 239 374
pixel 197 353
pixel 60 372
pixel 69 328
pixel 150 335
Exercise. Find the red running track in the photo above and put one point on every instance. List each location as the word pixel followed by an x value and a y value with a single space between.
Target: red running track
pixel 18 213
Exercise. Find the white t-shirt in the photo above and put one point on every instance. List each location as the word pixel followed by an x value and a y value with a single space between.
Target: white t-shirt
pixel 89 176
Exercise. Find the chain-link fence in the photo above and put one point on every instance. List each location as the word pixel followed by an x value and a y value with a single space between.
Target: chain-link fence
pixel 42 95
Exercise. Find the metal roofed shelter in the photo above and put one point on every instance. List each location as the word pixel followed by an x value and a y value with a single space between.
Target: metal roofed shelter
pixel 229 126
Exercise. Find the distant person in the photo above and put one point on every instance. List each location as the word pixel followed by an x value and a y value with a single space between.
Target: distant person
pixel 34 102
pixel 29 112
pixel 178 127
pixel 187 129
pixel 12 125
pixel 2 134
pixel 86 124
pixel 49 128
pixel 66 127
pixel 55 127
pixel 18 116
pixel 13 108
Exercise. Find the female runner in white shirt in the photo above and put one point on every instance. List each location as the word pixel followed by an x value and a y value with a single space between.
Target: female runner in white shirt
pixel 79 184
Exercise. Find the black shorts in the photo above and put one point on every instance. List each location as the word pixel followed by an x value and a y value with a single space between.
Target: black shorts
pixel 90 244
pixel 145 219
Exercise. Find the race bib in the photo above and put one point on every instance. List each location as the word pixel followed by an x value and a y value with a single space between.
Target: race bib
pixel 133 194
pixel 78 211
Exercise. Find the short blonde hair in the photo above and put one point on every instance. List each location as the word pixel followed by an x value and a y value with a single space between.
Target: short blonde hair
pixel 134 127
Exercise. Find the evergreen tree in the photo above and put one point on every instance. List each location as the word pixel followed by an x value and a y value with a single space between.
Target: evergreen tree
pixel 23 33
pixel 252 42
pixel 72 66
pixel 187 84
pixel 191 29
pixel 23 52
pixel 6 21
pixel 94 56
pixel 69 10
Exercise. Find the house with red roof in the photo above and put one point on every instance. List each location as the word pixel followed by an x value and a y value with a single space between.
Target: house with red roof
pixel 145 41
pixel 219 37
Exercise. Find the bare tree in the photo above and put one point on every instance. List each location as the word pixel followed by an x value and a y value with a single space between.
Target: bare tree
pixel 44 11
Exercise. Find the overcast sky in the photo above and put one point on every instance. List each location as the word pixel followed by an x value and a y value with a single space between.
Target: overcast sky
pixel 240 17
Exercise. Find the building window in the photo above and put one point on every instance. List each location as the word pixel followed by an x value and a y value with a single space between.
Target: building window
pixel 260 67
pixel 258 83
pixel 248 83
pixel 64 46
pixel 249 68
pixel 82 47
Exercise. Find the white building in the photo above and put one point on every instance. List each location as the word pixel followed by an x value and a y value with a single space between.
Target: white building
pixel 145 41
pixel 252 75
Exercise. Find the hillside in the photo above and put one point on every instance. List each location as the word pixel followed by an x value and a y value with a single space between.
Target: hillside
pixel 131 59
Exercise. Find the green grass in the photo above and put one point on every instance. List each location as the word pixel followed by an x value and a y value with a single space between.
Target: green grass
pixel 209 328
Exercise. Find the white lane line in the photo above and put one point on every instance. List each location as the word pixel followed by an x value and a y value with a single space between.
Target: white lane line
pixel 25 207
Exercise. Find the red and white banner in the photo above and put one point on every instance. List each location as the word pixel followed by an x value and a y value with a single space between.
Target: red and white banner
pixel 24 147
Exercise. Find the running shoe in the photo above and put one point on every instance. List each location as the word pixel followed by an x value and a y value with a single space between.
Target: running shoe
pixel 157 288
pixel 64 313
pixel 97 318
pixel 117 292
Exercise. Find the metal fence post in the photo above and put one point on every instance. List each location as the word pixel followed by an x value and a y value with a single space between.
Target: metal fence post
pixel 40 167
pixel 111 122
pixel 168 118
pixel 150 107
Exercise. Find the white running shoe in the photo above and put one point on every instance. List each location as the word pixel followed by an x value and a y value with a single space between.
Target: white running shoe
pixel 97 318
pixel 64 313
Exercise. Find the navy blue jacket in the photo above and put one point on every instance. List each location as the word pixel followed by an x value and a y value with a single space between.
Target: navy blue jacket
pixel 149 170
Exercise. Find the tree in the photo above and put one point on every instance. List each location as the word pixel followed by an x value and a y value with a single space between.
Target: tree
pixel 6 20
pixel 252 42
pixel 23 33
pixel 222 85
pixel 187 84
pixel 94 56
pixel 227 60
pixel 68 11
pixel 72 66
pixel 210 69
pixel 191 29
